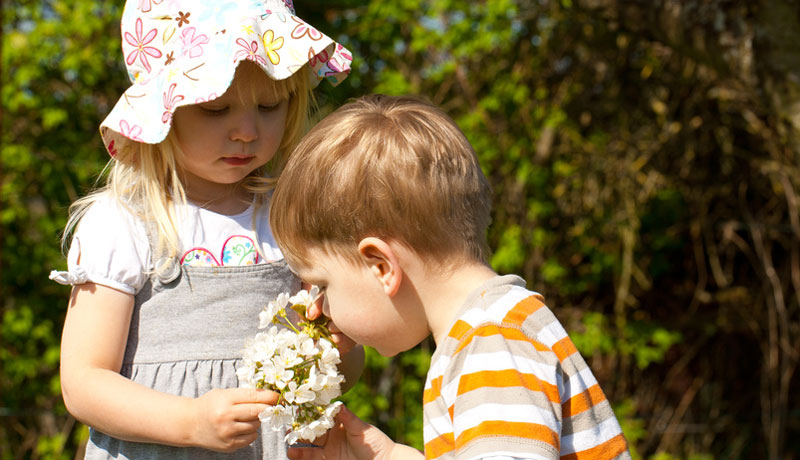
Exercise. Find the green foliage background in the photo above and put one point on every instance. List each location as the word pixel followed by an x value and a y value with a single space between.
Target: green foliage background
pixel 644 157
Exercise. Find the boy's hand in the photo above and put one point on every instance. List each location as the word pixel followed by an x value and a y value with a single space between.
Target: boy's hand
pixel 352 439
pixel 227 420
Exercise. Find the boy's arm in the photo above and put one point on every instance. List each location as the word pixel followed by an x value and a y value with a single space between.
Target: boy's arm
pixel 353 439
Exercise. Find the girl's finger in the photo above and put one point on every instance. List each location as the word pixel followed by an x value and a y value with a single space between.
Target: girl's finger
pixel 245 439
pixel 248 428
pixel 252 395
pixel 248 412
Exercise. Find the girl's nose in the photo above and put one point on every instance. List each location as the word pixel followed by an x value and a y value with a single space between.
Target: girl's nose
pixel 245 127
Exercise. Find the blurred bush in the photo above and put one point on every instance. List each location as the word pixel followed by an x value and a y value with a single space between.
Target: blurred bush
pixel 644 157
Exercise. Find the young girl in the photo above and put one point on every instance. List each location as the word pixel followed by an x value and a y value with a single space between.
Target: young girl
pixel 173 259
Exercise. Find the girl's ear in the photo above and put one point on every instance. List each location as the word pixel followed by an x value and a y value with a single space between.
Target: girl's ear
pixel 382 262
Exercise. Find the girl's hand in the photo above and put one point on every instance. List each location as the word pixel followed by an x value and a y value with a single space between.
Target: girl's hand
pixel 353 439
pixel 227 420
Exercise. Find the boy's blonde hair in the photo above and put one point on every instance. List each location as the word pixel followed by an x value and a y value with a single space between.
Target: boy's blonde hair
pixel 390 167
pixel 145 178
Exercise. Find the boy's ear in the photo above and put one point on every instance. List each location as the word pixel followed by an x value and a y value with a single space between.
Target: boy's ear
pixel 382 262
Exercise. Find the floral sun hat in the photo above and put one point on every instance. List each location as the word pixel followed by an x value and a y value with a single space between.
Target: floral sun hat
pixel 182 52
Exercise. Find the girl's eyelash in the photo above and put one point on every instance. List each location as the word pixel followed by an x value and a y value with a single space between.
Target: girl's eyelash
pixel 214 110
pixel 222 110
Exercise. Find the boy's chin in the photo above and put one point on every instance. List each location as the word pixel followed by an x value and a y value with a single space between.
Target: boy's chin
pixel 389 352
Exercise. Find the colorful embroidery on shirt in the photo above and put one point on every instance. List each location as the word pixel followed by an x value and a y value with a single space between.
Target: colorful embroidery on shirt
pixel 237 250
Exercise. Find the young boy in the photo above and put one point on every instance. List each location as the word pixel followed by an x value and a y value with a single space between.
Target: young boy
pixel 384 206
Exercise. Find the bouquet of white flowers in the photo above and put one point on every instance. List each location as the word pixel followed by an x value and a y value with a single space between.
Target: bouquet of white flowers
pixel 298 362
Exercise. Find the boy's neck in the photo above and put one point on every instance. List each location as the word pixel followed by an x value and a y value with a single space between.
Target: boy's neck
pixel 443 291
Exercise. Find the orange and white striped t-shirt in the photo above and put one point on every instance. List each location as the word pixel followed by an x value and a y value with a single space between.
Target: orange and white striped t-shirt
pixel 508 382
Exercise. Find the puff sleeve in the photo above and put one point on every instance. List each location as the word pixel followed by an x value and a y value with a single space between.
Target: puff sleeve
pixel 110 247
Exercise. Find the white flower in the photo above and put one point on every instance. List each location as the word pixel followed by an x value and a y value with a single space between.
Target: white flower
pixel 298 394
pixel 263 346
pixel 314 378
pixel 287 357
pixel 305 297
pixel 324 424
pixel 316 428
pixel 291 437
pixel 276 374
pixel 325 419
pixel 326 385
pixel 333 409
pixel 265 318
pixel 302 369
pixel 330 355
pixel 306 346
pixel 286 339
pixel 277 417
pixel 245 374
pixel 311 431
pixel 273 308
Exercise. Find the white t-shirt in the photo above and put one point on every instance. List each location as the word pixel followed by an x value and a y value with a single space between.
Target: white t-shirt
pixel 111 246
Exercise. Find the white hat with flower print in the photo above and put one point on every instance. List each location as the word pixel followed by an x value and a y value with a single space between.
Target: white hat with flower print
pixel 181 52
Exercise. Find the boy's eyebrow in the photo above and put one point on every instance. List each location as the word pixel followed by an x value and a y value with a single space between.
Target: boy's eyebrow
pixel 292 269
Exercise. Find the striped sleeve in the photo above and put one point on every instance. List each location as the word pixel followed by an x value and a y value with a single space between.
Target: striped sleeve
pixel 589 428
pixel 513 385
pixel 497 394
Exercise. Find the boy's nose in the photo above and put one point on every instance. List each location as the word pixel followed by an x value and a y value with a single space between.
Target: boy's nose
pixel 245 128
pixel 326 308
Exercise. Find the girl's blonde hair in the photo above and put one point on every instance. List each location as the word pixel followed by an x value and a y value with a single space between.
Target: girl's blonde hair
pixel 145 178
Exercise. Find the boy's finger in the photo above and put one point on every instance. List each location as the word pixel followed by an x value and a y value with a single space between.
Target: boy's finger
pixel 314 310
pixel 305 453
pixel 352 424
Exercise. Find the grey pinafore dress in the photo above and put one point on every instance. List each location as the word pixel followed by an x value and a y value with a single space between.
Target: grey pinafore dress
pixel 186 335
